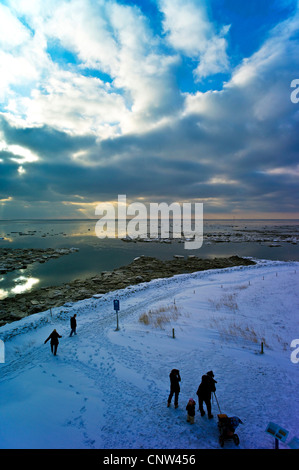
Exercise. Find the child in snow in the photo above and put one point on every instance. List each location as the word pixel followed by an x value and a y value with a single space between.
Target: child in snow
pixel 190 411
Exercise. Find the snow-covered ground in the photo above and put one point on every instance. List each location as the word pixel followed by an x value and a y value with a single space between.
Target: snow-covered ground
pixel 108 389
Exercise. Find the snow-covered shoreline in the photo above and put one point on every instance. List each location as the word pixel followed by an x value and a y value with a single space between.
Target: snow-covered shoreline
pixel 108 389
pixel 141 269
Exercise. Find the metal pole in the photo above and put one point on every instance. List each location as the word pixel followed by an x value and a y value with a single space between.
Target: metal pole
pixel 217 403
pixel 117 320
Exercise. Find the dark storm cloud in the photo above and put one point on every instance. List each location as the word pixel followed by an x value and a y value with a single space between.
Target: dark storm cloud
pixel 174 162
pixel 45 140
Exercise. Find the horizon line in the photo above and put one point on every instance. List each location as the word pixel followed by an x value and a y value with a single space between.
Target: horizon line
pixel 96 219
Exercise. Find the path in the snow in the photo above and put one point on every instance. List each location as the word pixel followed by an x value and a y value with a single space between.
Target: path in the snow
pixel 108 389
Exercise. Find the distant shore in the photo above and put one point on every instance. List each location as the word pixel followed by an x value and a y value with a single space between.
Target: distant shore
pixel 142 269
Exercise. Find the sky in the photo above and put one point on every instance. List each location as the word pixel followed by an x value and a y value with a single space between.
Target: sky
pixel 159 100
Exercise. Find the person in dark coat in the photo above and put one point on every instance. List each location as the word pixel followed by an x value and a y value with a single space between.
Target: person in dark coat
pixel 204 392
pixel 54 341
pixel 174 387
pixel 190 411
pixel 73 322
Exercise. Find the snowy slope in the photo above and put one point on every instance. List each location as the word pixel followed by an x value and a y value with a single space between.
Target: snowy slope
pixel 108 389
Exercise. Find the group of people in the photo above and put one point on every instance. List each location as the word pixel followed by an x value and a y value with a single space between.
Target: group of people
pixel 204 394
pixel 204 391
pixel 55 335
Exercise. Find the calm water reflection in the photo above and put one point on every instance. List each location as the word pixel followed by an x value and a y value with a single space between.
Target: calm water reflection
pixel 97 255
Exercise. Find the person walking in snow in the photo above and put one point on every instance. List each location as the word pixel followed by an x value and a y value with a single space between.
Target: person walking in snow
pixel 174 387
pixel 73 323
pixel 190 411
pixel 204 392
pixel 54 341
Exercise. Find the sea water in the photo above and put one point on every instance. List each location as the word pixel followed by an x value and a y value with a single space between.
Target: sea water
pixel 263 239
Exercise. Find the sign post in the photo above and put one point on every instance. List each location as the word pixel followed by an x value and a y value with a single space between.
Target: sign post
pixel 279 433
pixel 116 308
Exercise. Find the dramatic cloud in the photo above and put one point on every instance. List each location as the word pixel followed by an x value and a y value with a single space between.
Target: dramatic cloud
pixel 189 30
pixel 158 100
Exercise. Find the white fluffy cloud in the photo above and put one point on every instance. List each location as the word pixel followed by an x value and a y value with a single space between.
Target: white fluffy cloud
pixel 12 31
pixel 104 36
pixel 190 31
pixel 20 55
pixel 74 103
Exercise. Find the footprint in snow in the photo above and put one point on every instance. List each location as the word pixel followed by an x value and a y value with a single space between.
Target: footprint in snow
pixel 89 441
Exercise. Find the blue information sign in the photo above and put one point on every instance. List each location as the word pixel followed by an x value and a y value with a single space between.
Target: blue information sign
pixel 277 431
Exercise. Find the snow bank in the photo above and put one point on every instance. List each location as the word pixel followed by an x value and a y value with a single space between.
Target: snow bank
pixel 108 389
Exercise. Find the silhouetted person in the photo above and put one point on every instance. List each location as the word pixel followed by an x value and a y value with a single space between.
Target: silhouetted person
pixel 73 322
pixel 174 387
pixel 204 392
pixel 54 341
